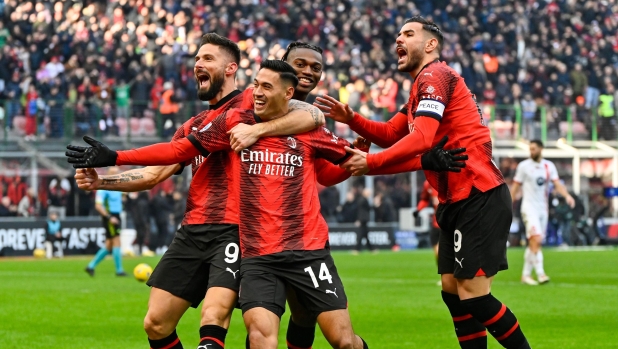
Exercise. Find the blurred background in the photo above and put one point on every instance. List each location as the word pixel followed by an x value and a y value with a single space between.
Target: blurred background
pixel 539 69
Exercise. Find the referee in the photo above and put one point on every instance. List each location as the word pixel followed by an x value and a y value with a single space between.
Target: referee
pixel 109 206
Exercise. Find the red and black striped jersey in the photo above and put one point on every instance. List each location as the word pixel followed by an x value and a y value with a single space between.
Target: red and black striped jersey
pixel 278 199
pixel 208 200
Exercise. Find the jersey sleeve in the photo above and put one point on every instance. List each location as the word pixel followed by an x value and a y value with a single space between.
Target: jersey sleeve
pixel 409 165
pixel 247 98
pixel 553 172
pixel 434 92
pixel 519 173
pixel 212 136
pixel 329 174
pixel 180 133
pixel 330 147
pixel 384 134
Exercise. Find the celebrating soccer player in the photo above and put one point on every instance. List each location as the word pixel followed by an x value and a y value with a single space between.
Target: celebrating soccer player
pixel 195 267
pixel 475 210
pixel 533 176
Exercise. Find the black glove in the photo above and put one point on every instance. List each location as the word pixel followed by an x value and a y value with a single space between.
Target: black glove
pixel 98 155
pixel 437 159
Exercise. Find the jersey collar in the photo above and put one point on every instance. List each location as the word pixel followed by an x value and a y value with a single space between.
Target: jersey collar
pixel 257 118
pixel 224 100
pixel 427 65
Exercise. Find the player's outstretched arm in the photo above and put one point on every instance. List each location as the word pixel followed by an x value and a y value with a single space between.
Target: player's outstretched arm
pixel 562 190
pixel 134 180
pixel 99 155
pixel 384 134
pixel 301 117
pixel 437 159
pixel 329 174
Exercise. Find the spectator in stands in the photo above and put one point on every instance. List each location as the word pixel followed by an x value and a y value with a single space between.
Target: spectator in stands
pixel 607 114
pixel 58 196
pixel 528 107
pixel 168 109
pixel 13 92
pixel 348 211
pixel 363 212
pixel 384 208
pixel 56 113
pixel 6 208
pixel 27 206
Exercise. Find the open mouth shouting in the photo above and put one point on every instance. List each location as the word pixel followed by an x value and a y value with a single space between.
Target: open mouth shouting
pixel 402 54
pixel 203 79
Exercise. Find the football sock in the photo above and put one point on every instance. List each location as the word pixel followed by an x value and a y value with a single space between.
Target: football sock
pixel 529 260
pixel 98 258
pixel 299 337
pixel 117 259
pixel 247 343
pixel 212 336
pixel 498 319
pixel 538 267
pixel 170 342
pixel 470 332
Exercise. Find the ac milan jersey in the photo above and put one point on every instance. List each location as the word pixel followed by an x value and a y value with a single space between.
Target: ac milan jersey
pixel 209 200
pixel 439 92
pixel 278 197
pixel 534 178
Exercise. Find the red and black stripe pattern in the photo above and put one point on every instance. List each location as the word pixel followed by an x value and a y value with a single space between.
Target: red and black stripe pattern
pixel 470 332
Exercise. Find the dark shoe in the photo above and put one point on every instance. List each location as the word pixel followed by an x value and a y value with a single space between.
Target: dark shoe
pixel 90 271
pixel 122 273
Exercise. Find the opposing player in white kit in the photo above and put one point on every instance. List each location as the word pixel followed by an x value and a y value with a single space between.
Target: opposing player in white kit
pixel 534 175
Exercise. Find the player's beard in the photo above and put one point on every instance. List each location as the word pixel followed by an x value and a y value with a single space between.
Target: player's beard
pixel 415 58
pixel 216 83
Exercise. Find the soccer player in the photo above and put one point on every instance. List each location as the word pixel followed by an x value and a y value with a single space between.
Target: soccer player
pixel 533 175
pixel 429 197
pixel 109 205
pixel 200 262
pixel 475 210
pixel 275 176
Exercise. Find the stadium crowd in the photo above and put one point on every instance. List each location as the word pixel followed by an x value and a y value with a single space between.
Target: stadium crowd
pixel 101 62
pixel 106 60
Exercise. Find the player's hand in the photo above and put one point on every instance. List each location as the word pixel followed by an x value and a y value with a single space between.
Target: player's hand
pixel 357 163
pixel 58 235
pixel 87 179
pixel 437 159
pixel 570 201
pixel 114 220
pixel 334 109
pixel 97 155
pixel 243 136
pixel 362 144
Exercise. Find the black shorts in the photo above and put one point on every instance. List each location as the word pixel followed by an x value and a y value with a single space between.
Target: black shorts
pixel 474 234
pixel 311 274
pixel 199 257
pixel 112 230
pixel 434 235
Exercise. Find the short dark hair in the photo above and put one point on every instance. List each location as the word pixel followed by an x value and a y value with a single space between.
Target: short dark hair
pixel 286 72
pixel 537 142
pixel 429 26
pixel 224 43
pixel 299 44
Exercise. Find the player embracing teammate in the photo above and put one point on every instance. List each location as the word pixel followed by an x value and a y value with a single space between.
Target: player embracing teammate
pixel 475 210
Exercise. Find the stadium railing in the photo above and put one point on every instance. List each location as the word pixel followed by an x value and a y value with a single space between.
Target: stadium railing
pixel 140 120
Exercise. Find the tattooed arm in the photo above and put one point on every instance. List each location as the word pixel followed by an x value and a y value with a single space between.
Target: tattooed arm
pixel 301 117
pixel 134 180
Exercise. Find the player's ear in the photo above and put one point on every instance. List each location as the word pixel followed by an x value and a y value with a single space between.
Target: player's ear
pixel 231 68
pixel 289 92
pixel 431 45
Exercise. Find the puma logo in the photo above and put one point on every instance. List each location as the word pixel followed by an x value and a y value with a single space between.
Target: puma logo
pixel 205 346
pixel 459 261
pixel 333 292
pixel 233 273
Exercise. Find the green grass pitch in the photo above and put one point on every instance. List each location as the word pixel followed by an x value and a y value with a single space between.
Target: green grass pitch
pixel 393 300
